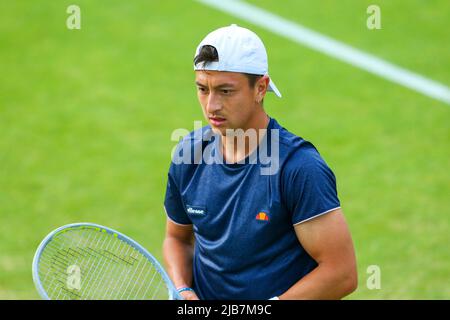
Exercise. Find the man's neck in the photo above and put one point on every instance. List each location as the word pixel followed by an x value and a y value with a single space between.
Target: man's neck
pixel 241 143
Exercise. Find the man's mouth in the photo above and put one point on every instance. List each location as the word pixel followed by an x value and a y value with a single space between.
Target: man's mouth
pixel 217 121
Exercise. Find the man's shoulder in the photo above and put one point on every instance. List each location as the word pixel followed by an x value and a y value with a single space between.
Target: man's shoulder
pixel 298 153
pixel 194 139
pixel 294 145
pixel 202 134
pixel 189 151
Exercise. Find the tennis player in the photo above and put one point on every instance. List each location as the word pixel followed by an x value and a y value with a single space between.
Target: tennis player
pixel 260 219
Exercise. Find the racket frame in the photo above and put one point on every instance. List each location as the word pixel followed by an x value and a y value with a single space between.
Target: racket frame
pixel 173 293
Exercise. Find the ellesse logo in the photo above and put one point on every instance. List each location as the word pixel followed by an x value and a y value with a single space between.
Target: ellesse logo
pixel 195 210
pixel 262 216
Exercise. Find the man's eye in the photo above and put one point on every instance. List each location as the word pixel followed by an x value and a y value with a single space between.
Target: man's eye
pixel 226 91
pixel 202 90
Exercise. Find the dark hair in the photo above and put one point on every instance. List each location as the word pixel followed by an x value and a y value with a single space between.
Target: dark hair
pixel 209 54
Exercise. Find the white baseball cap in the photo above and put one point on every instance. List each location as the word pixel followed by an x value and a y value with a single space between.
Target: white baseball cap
pixel 239 50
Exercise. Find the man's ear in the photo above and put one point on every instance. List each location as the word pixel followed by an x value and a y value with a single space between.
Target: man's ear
pixel 261 88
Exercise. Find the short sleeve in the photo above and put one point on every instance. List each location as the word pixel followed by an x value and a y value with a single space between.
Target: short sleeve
pixel 173 203
pixel 309 186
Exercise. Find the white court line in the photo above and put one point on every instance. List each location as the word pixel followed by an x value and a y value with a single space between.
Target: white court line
pixel 331 47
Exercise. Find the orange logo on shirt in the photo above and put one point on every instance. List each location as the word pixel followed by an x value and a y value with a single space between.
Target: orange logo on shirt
pixel 262 216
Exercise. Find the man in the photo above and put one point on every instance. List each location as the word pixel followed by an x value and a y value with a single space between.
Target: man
pixel 235 231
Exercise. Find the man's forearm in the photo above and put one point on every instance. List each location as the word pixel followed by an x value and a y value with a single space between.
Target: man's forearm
pixel 178 259
pixel 324 282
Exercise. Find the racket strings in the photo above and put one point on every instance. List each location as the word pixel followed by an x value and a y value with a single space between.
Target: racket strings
pixel 107 268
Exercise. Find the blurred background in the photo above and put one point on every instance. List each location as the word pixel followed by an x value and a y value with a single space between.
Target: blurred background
pixel 86 118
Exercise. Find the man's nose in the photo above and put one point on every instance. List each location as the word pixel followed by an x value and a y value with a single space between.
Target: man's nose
pixel 214 103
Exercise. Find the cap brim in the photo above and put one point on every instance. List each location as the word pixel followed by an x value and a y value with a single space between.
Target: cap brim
pixel 273 88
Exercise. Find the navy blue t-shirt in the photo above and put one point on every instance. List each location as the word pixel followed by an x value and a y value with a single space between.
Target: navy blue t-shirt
pixel 243 218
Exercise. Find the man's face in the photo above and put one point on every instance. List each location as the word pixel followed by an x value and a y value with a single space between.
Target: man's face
pixel 227 100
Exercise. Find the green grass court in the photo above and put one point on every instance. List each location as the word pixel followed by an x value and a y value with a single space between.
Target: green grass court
pixel 86 117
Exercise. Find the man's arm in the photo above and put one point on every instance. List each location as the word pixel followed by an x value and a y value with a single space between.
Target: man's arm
pixel 178 251
pixel 327 240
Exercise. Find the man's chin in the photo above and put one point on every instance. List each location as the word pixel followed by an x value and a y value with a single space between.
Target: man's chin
pixel 220 131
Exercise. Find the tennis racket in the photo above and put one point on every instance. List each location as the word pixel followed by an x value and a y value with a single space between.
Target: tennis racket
pixel 93 262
